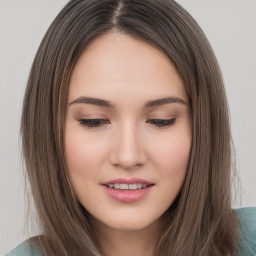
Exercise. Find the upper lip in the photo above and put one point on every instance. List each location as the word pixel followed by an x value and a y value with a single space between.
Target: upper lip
pixel 128 181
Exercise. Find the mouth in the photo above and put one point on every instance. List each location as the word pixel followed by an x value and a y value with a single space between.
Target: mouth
pixel 124 186
pixel 128 190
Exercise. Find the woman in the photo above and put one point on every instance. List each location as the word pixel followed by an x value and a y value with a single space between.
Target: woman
pixel 126 137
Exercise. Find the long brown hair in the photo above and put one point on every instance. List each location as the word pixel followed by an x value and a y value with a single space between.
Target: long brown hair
pixel 200 221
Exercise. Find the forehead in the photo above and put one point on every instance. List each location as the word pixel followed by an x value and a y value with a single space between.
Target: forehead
pixel 118 65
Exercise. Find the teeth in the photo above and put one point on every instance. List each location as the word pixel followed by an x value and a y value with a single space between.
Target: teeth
pixel 140 186
pixel 117 185
pixel 124 186
pixel 132 186
pixel 127 186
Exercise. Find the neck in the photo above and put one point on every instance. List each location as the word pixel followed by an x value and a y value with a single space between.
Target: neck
pixel 126 242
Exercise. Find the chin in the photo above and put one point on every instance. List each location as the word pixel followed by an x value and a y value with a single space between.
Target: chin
pixel 127 221
pixel 128 225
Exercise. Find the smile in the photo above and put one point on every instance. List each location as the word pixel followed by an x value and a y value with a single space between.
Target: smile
pixel 124 186
pixel 128 190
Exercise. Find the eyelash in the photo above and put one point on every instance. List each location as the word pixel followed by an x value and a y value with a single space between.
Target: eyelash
pixel 162 122
pixel 94 123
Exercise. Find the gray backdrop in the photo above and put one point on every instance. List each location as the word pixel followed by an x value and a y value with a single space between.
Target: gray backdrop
pixel 231 28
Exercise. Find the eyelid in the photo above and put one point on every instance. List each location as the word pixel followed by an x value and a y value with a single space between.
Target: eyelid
pixel 97 122
pixel 162 122
pixel 93 122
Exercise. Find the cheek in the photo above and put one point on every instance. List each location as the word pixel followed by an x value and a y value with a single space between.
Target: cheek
pixel 84 153
pixel 172 163
pixel 171 157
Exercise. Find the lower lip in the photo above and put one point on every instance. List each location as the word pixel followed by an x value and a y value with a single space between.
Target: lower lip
pixel 127 196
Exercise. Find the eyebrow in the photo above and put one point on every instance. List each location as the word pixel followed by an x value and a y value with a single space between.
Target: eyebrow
pixel 104 103
pixel 93 101
pixel 163 101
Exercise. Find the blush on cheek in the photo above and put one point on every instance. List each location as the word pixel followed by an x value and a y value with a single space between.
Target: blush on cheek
pixel 176 151
pixel 84 155
pixel 175 159
pixel 80 162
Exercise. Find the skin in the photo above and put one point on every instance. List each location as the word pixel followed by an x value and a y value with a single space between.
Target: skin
pixel 128 73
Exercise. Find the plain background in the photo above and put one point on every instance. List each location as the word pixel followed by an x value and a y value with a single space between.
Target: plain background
pixel 230 26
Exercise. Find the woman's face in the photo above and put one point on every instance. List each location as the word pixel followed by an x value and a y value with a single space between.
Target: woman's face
pixel 128 132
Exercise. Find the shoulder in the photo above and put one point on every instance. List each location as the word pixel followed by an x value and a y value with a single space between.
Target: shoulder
pixel 247 218
pixel 25 249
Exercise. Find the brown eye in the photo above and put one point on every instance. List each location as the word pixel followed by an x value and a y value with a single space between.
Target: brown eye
pixel 162 122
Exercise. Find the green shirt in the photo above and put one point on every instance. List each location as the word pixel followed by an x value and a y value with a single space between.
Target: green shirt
pixel 246 215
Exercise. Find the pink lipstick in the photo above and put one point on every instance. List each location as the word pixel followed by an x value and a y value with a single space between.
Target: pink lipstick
pixel 128 190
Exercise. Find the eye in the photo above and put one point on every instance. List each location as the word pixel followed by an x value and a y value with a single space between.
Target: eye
pixel 92 123
pixel 162 122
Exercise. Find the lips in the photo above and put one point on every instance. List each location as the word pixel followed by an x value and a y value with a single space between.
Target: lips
pixel 128 190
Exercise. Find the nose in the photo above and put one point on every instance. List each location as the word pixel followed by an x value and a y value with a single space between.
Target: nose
pixel 128 152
